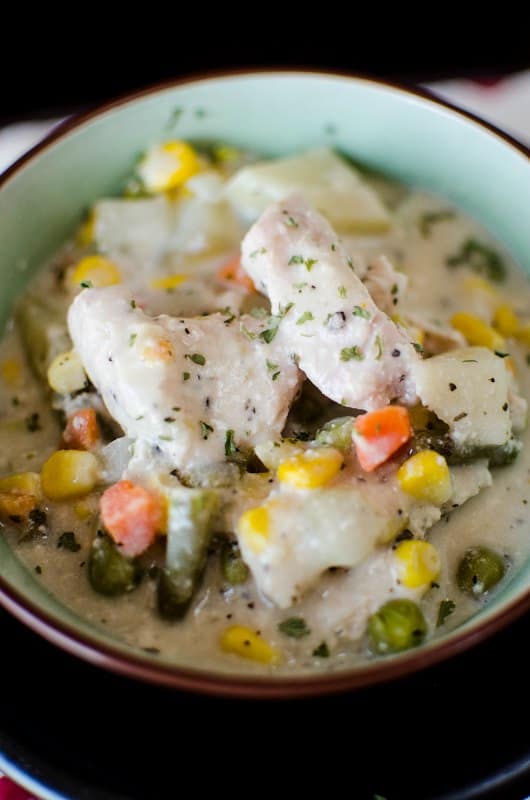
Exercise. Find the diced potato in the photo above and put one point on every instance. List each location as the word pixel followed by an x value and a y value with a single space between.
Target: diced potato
pixel 43 332
pixel 69 473
pixel 66 373
pixel 294 536
pixel 327 181
pixel 133 229
pixel 468 389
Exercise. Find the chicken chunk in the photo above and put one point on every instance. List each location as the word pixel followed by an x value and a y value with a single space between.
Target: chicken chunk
pixel 192 389
pixel 342 341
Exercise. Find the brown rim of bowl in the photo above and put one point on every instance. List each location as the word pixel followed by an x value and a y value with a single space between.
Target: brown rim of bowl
pixel 135 666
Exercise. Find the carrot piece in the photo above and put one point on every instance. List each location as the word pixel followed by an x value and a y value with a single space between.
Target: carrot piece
pixel 132 516
pixel 378 434
pixel 232 272
pixel 82 430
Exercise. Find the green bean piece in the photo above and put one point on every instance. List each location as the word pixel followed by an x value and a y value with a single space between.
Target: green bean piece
pixel 233 568
pixel 109 571
pixel 190 517
pixel 396 626
pixel 337 433
pixel 479 571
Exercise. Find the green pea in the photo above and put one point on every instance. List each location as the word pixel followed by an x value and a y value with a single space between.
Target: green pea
pixel 396 626
pixel 109 571
pixel 479 571
pixel 337 433
pixel 233 567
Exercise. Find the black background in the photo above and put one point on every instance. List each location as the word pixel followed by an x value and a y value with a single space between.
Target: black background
pixel 455 725
pixel 70 66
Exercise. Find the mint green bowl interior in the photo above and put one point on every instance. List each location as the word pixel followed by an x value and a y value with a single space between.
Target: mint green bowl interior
pixel 409 137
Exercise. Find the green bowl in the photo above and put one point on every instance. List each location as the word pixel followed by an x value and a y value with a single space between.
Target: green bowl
pixel 409 135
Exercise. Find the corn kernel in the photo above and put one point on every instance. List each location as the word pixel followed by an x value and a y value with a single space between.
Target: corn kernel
pixel 254 528
pixel 66 373
pixel 23 483
pixel 96 271
pixel 16 506
pixel 311 469
pixel 169 282
pixel 168 166
pixel 476 331
pixel 244 642
pixel 11 371
pixel 523 334
pixel 426 477
pixel 418 563
pixel 473 283
pixel 85 232
pixel 69 473
pixel 505 320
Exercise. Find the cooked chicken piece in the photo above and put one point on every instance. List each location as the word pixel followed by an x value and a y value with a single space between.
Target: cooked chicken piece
pixel 193 389
pixel 385 284
pixel 343 342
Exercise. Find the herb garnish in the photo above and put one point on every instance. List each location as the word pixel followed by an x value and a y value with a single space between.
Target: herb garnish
pixel 259 252
pixel 349 353
pixel 33 422
pixel 258 312
pixel 322 651
pixel 206 429
pixel 67 541
pixel 446 609
pixel 429 219
pixel 295 627
pixel 290 222
pixel 132 339
pixel 133 304
pixel 379 345
pixel 309 262
pixel 186 376
pixel 359 311
pixel 417 347
pixel 231 448
pixel 86 284
pixel 306 317
pixel 480 258
pixel 342 291
pixel 273 369
pixel 197 358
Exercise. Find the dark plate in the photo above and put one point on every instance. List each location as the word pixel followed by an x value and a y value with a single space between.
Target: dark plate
pixel 458 730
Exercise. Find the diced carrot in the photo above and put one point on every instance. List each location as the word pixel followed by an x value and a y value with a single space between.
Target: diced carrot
pixel 132 516
pixel 378 434
pixel 232 272
pixel 82 430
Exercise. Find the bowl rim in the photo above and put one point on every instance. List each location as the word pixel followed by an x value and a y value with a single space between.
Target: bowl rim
pixel 81 644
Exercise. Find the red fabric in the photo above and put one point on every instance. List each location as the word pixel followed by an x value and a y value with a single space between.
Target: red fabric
pixel 10 791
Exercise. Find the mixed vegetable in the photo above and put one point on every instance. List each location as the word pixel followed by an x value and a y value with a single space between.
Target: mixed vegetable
pixel 284 409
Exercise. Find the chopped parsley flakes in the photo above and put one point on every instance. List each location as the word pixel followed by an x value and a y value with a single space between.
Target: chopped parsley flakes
pixel 359 311
pixel 342 291
pixel 295 627
pixel 309 262
pixel 351 354
pixel 446 609
pixel 206 429
pixel 480 258
pixel 197 358
pixel 273 369
pixel 230 444
pixel 429 219
pixel 306 317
